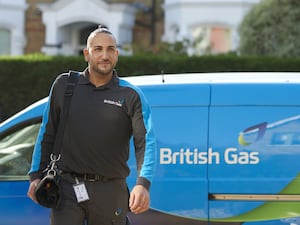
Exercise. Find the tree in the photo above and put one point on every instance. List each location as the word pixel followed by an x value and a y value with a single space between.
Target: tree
pixel 271 28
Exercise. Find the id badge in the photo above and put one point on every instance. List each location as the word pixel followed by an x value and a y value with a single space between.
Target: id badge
pixel 81 192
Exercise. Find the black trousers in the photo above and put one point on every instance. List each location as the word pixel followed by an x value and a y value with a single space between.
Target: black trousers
pixel 107 204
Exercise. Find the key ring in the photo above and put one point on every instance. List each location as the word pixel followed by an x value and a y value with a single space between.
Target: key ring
pixel 54 159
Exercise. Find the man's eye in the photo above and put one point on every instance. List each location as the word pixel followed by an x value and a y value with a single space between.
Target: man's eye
pixel 111 49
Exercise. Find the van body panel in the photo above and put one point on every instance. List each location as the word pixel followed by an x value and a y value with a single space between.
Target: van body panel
pixel 255 94
pixel 171 117
pixel 17 208
pixel 33 111
pixel 177 95
pixel 228 149
pixel 264 163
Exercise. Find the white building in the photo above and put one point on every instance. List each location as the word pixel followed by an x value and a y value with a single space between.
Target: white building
pixel 12 22
pixel 67 24
pixel 208 25
pixel 69 21
pixel 211 25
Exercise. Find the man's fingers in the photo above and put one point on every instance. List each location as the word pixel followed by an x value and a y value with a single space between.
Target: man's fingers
pixel 31 190
pixel 139 203
pixel 139 199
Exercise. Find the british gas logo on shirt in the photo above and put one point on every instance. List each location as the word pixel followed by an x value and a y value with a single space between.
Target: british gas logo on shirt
pixel 118 103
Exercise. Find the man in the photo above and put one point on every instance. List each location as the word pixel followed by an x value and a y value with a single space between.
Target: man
pixel 104 113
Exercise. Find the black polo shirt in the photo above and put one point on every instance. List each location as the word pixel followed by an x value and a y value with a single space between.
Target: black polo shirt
pixel 100 124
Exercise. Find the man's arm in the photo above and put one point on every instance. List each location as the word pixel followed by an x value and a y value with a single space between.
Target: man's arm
pixel 45 140
pixel 145 150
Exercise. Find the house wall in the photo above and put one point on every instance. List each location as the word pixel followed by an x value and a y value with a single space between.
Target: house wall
pixel 141 33
pixel 215 22
pixel 12 16
pixel 34 27
pixel 203 19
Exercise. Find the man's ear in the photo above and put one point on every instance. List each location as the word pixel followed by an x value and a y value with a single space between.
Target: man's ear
pixel 86 54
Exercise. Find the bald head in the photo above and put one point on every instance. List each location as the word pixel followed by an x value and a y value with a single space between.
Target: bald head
pixel 100 30
pixel 101 53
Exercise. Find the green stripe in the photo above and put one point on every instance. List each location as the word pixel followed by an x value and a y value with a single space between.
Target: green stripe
pixel 271 210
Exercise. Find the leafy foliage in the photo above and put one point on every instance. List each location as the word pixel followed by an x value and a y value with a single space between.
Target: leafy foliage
pixel 271 28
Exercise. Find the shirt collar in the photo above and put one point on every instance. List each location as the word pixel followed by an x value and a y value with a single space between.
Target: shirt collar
pixel 84 79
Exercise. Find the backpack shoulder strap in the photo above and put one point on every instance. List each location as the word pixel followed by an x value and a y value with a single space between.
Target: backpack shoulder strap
pixel 71 84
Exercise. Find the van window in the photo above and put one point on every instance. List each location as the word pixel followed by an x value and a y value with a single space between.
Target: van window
pixel 16 151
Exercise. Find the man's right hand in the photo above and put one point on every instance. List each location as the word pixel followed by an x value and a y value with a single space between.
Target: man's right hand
pixel 32 188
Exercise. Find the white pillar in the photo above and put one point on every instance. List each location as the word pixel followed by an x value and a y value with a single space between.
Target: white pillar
pixel 52 45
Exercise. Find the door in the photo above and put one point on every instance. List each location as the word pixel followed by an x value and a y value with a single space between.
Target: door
pixel 255 135
pixel 179 189
pixel 16 146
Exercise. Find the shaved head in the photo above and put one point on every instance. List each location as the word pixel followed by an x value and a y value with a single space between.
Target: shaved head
pixel 101 29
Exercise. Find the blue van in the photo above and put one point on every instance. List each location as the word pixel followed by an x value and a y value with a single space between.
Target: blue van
pixel 228 151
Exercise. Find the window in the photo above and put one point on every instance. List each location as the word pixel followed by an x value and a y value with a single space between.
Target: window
pixel 220 39
pixel 16 151
pixel 5 42
pixel 211 39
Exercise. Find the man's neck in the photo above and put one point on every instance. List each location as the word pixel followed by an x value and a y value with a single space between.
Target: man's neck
pixel 98 79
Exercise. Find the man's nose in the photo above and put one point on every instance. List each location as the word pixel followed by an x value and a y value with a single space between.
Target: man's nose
pixel 105 54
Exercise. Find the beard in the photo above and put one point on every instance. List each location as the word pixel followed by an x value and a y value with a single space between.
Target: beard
pixel 103 70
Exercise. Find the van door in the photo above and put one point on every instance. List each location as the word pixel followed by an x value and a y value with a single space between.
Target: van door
pixel 254 131
pixel 16 146
pixel 179 190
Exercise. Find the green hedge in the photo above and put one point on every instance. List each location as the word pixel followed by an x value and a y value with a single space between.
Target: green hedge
pixel 26 79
